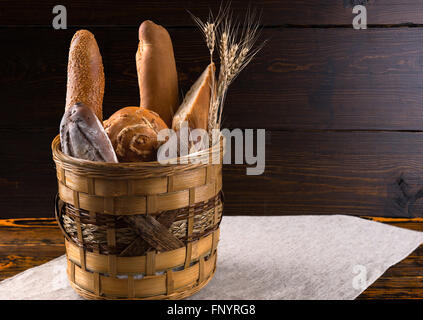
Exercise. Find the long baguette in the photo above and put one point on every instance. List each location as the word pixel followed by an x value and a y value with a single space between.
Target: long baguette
pixel 85 73
pixel 156 68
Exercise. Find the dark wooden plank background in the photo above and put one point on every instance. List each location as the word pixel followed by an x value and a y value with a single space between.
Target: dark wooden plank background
pixel 343 108
pixel 171 12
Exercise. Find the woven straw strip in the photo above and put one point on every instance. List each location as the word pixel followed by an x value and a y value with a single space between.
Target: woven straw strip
pixel 120 187
pixel 188 255
pixel 176 295
pixel 170 284
pixel 96 279
pixel 150 263
pixel 126 236
pixel 131 287
pixel 95 232
pixel 71 269
pixel 152 204
pixel 137 265
pixel 201 265
pixel 170 180
pixel 60 174
pixel 135 204
pixel 215 240
pixel 130 170
pixel 146 287
pixel 90 185
pixel 100 219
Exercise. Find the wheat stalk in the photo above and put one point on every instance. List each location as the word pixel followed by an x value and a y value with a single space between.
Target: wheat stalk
pixel 235 48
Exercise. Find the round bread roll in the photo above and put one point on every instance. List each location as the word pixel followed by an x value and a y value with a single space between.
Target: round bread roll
pixel 85 73
pixel 133 133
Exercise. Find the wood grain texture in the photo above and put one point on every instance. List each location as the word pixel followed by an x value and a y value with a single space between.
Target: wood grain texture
pixel 173 12
pixel 338 79
pixel 356 173
pixel 403 280
pixel 26 243
pixel 309 85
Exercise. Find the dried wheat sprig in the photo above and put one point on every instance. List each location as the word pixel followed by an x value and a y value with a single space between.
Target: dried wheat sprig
pixel 209 27
pixel 210 37
pixel 236 48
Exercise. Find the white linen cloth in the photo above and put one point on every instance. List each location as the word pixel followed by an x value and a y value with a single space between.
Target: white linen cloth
pixel 279 257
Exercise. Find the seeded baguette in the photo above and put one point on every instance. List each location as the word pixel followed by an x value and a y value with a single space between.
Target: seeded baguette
pixel 156 69
pixel 85 82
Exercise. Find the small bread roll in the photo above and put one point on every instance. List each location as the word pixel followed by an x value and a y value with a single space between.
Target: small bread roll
pixel 82 135
pixel 156 68
pixel 133 133
pixel 85 73
pixel 195 108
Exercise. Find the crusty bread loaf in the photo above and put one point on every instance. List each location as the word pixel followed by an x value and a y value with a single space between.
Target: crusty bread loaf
pixel 156 68
pixel 85 73
pixel 82 135
pixel 195 107
pixel 133 133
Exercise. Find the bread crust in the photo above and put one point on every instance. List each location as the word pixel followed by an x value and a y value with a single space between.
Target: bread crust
pixel 156 69
pixel 133 133
pixel 195 109
pixel 82 135
pixel 85 81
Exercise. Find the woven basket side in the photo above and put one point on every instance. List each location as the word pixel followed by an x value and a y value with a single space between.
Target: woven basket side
pixel 137 170
pixel 169 285
pixel 94 227
pixel 96 262
pixel 139 196
pixel 174 212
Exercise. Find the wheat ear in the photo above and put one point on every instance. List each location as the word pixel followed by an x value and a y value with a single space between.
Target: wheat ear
pixel 236 49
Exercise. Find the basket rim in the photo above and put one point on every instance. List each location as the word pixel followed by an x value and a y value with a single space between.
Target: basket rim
pixel 71 162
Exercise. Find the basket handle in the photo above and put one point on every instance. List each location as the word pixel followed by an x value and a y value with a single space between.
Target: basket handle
pixel 58 206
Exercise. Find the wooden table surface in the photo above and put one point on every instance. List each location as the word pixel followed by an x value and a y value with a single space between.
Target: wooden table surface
pixel 26 243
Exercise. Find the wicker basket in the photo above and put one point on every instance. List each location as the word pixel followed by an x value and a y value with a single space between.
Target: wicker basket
pixel 139 230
